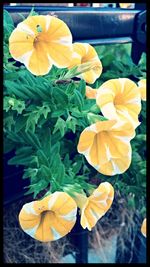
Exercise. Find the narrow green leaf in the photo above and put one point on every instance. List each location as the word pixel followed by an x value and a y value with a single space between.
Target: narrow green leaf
pixel 82 87
pixel 42 158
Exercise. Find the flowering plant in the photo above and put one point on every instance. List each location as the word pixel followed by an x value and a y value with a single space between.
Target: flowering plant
pixel 64 131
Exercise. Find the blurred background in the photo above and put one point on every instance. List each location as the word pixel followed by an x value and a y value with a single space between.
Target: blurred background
pixel 129 5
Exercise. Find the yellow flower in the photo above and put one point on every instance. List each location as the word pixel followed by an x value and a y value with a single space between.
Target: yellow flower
pixel 125 5
pixel 40 42
pixel 120 99
pixel 106 146
pixel 142 87
pixel 85 53
pixel 50 218
pixel 92 208
pixel 143 227
pixel 90 92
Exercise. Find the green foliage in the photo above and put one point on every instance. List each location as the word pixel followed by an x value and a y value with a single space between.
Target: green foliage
pixel 117 63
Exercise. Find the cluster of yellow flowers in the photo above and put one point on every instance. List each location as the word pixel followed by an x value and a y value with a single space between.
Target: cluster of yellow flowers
pixel 39 42
pixel 42 41
pixel 55 215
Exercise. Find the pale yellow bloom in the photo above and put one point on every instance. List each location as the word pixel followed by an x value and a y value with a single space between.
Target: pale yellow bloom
pixel 92 208
pixel 85 53
pixel 125 5
pixel 142 87
pixel 106 146
pixel 143 227
pixel 50 218
pixel 90 92
pixel 120 99
pixel 40 42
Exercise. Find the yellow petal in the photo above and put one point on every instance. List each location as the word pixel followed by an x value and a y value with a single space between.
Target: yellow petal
pixel 115 166
pixel 20 43
pixel 50 218
pixel 97 205
pixel 120 99
pixel 60 54
pixel 85 53
pixel 85 141
pixel 38 63
pixel 104 191
pixel 90 92
pixel 92 75
pixel 143 227
pixel 106 146
pixel 31 23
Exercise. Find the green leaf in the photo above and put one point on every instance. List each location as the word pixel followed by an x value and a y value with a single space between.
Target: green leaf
pixel 37 188
pixel 15 137
pixel 107 60
pixel 141 137
pixel 24 151
pixel 143 172
pixel 31 122
pixel 82 87
pixel 60 97
pixel 60 125
pixel 70 73
pixel 95 109
pixel 76 167
pixel 30 173
pixel 70 88
pixel 14 88
pixel 46 141
pixel 9 122
pixel 71 123
pixel 92 118
pixel 10 75
pixel 45 172
pixel 61 173
pixel 31 139
pixel 14 104
pixel 136 157
pixel 7 18
pixel 8 146
pixel 67 161
pixel 42 159
pixel 57 113
pixel 21 160
pixel 78 99
pixel 55 149
pixel 20 123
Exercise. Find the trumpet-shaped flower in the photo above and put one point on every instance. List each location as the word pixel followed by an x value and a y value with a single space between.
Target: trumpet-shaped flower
pixel 85 53
pixel 106 146
pixel 90 92
pixel 92 208
pixel 120 99
pixel 142 88
pixel 50 218
pixel 143 227
pixel 40 42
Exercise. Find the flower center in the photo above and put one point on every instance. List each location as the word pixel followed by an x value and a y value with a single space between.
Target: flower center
pixel 47 212
pixel 36 40
pixel 118 99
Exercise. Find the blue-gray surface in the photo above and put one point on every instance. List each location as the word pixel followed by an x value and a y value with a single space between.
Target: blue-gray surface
pixel 104 254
